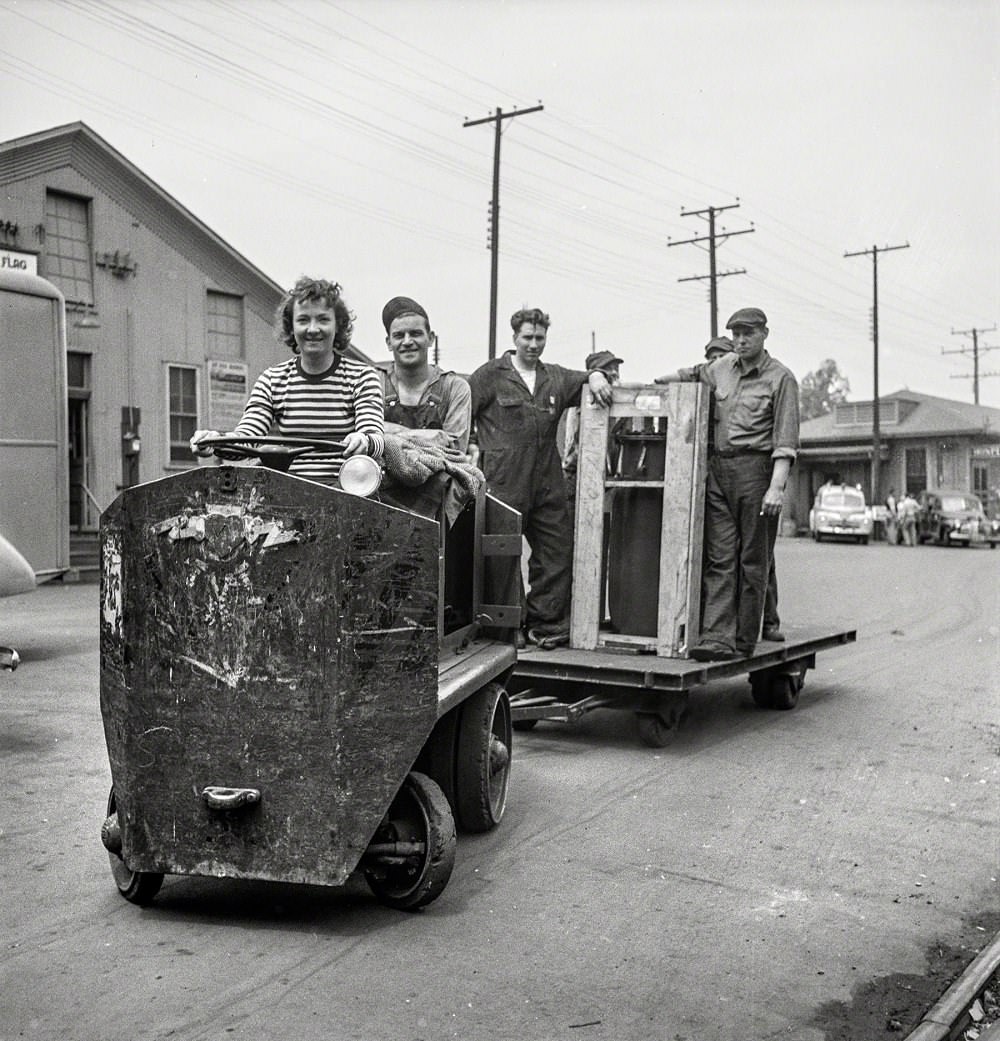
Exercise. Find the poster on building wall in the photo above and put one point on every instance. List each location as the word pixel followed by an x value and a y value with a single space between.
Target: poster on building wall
pixel 227 393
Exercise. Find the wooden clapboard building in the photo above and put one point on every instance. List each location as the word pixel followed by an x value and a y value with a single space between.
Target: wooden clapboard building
pixel 167 325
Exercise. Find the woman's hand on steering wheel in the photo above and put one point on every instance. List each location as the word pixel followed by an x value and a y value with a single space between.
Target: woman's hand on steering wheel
pixel 197 449
pixel 357 443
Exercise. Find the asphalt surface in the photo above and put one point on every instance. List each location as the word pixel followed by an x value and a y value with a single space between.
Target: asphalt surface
pixel 729 888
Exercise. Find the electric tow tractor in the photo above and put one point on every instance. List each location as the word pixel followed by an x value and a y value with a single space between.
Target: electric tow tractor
pixel 635 613
pixel 300 681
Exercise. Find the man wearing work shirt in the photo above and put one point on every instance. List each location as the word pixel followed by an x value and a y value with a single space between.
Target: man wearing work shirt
pixel 756 439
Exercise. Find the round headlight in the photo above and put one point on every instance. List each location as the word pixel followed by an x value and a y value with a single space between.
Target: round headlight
pixel 360 475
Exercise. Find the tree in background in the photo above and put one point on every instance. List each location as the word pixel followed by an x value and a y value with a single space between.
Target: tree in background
pixel 821 390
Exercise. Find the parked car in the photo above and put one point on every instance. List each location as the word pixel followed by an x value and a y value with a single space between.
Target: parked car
pixel 950 517
pixel 839 510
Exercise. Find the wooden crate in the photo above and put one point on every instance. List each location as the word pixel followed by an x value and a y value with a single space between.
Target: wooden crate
pixel 682 408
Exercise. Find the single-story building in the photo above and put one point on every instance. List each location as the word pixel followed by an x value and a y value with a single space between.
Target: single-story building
pixel 925 442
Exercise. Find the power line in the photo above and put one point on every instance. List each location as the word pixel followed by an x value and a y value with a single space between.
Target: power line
pixel 494 243
pixel 876 433
pixel 976 349
pixel 713 275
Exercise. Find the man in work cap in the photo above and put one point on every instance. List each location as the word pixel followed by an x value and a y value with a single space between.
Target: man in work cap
pixel 606 361
pixel 418 395
pixel 399 305
pixel 600 361
pixel 756 439
pixel 747 316
pixel 717 347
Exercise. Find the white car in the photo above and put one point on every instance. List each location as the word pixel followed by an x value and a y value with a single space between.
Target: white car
pixel 840 511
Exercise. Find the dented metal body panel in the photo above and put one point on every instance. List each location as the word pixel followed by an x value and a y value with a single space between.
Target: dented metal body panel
pixel 264 633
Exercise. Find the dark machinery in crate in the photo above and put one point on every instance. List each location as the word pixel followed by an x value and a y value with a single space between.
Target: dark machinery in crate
pixel 637 577
pixel 298 682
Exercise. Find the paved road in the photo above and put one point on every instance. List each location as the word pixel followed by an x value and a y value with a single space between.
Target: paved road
pixel 720 890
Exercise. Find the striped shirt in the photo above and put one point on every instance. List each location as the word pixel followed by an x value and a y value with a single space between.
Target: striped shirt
pixel 332 404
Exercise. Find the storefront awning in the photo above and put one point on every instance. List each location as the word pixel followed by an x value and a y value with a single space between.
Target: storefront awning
pixel 842 452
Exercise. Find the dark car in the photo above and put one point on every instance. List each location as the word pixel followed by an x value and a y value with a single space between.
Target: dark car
pixel 950 517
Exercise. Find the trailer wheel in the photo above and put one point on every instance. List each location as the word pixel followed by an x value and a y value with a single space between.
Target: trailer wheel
pixel 138 887
pixel 657 730
pixel 482 767
pixel 776 690
pixel 418 847
pixel 654 731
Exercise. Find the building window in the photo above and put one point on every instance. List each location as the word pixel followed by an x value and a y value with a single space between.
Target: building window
pixel 182 410
pixel 225 325
pixel 67 247
pixel 980 479
pixel 916 470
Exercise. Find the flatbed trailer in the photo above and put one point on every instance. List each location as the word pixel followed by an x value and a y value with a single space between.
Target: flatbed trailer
pixel 565 683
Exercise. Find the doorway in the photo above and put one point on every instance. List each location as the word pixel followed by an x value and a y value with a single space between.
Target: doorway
pixel 83 515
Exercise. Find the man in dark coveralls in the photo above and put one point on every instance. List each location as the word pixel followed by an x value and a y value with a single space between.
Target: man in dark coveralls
pixel 516 404
pixel 756 439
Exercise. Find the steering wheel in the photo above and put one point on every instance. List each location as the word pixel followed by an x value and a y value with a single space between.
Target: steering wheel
pixel 274 452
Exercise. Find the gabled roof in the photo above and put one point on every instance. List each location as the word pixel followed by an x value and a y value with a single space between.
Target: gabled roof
pixel 919 415
pixel 77 146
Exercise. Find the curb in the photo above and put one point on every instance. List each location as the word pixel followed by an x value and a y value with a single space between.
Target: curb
pixel 943 1017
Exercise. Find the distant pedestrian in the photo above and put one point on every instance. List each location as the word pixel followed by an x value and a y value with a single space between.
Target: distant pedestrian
pixel 907 510
pixel 891 518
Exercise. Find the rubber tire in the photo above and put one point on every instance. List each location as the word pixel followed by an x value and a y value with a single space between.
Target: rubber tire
pixel 760 689
pixel 138 887
pixel 482 759
pixel 654 731
pixel 420 809
pixel 785 692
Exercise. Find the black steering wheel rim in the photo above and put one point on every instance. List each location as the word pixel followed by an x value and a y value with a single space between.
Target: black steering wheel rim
pixel 269 449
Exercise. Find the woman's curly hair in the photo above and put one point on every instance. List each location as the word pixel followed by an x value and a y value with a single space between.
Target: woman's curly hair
pixel 315 290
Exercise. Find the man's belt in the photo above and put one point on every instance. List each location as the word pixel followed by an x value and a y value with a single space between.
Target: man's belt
pixel 732 453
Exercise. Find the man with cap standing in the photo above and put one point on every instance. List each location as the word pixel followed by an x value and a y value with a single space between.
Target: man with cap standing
pixel 432 405
pixel 608 363
pixel 754 443
pixel 716 348
pixel 517 401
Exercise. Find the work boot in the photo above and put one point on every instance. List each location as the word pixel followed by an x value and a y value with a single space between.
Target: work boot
pixel 709 651
pixel 772 634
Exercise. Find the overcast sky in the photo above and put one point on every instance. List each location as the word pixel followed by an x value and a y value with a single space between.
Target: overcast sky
pixel 326 138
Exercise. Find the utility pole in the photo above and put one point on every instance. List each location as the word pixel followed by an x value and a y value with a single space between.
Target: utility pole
pixel 876 428
pixel 494 219
pixel 976 350
pixel 713 275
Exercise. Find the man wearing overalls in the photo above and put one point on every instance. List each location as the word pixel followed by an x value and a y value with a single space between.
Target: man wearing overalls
pixel 434 406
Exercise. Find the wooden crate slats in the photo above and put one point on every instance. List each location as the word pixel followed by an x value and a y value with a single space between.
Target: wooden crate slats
pixel 682 535
pixel 684 407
